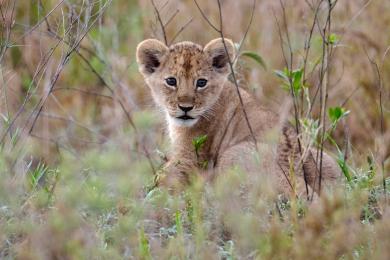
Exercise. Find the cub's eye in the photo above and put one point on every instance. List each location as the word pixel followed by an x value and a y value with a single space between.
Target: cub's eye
pixel 171 81
pixel 201 83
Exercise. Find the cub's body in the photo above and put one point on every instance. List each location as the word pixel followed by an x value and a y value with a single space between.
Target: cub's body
pixel 191 85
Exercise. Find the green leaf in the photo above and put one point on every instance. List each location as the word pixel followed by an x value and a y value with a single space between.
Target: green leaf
pixel 178 223
pixel 282 74
pixel 344 168
pixel 297 80
pixel 256 57
pixel 333 39
pixel 336 113
pixel 291 79
pixel 198 142
pixel 37 174
pixel 144 248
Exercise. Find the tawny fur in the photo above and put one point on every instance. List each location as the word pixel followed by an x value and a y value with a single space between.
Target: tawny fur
pixel 219 115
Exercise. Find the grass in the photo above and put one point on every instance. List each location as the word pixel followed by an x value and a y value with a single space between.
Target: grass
pixel 97 207
pixel 74 184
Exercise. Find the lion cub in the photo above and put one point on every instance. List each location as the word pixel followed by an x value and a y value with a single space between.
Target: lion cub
pixel 190 83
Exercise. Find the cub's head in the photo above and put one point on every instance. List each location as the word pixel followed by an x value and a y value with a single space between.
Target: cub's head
pixel 185 79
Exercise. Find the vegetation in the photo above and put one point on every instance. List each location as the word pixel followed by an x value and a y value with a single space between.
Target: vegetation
pixel 80 142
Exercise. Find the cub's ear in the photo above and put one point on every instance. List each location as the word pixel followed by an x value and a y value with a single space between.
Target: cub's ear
pixel 150 54
pixel 219 58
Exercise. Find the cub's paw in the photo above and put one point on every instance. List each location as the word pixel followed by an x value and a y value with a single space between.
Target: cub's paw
pixel 171 177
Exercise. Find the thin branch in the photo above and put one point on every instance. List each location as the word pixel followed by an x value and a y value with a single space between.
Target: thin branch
pixel 285 24
pixel 246 31
pixel 180 30
pixel 172 17
pixel 326 59
pixel 105 84
pixel 308 42
pixel 234 77
pixel 72 121
pixel 164 5
pixel 62 64
pixel 8 33
pixel 221 33
pixel 287 178
pixel 83 92
pixel 160 22
pixel 42 20
pixel 46 17
pixel 292 93
pixel 40 68
pixel 50 140
pixel 381 114
pixel 215 159
pixel 205 18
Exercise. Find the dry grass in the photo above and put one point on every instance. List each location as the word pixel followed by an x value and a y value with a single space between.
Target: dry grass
pixel 79 135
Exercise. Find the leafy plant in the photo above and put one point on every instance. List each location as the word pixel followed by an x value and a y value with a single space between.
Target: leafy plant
pixel 336 114
pixel 37 174
pixel 178 223
pixel 144 248
pixel 333 39
pixel 198 143
pixel 291 79
pixel 256 57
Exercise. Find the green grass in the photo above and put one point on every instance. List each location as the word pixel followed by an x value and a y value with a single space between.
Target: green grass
pixel 97 207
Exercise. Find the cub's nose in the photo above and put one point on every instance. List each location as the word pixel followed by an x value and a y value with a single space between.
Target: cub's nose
pixel 186 108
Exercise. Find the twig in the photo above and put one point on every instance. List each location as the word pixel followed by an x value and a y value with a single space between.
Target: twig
pixel 308 44
pixel 83 92
pixel 50 140
pixel 246 31
pixel 324 75
pixel 381 115
pixel 287 178
pixel 70 120
pixel 172 17
pixel 205 18
pixel 215 160
pixel 180 30
pixel 42 20
pixel 105 84
pixel 41 68
pixel 349 96
pixel 101 79
pixel 292 93
pixel 220 31
pixel 234 77
pixel 164 5
pixel 64 61
pixel 8 33
pixel 46 20
pixel 160 22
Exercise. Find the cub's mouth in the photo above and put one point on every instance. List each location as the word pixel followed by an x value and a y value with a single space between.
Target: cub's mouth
pixel 185 117
pixel 184 120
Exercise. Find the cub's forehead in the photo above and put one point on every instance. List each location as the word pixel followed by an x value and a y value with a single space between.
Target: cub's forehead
pixel 187 47
pixel 186 59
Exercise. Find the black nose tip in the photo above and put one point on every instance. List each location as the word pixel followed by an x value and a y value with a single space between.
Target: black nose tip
pixel 186 109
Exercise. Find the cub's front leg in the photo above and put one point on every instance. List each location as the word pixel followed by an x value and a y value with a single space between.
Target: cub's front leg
pixel 176 173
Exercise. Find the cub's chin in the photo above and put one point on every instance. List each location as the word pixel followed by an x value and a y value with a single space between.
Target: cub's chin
pixel 183 121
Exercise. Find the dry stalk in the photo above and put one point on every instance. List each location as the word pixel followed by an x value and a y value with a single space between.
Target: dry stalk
pixel 379 84
pixel 221 33
pixel 160 22
pixel 289 66
pixel 163 25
